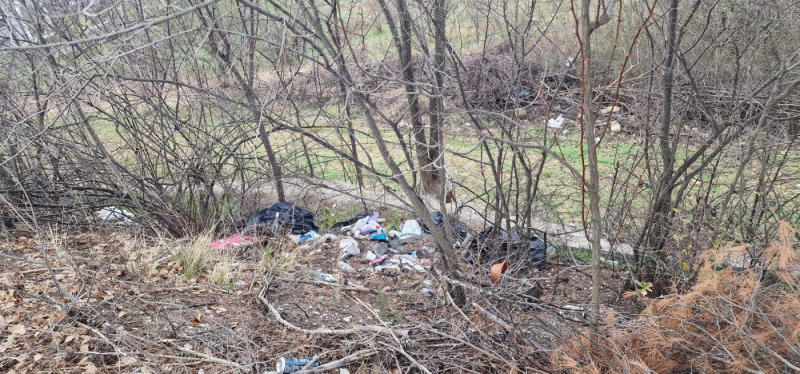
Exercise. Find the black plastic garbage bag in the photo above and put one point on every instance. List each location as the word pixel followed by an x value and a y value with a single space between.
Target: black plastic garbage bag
pixel 339 225
pixel 292 216
pixel 459 228
pixel 503 244
pixel 537 252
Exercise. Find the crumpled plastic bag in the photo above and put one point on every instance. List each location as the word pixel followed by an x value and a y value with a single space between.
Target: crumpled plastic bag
pixel 349 246
pixel 114 214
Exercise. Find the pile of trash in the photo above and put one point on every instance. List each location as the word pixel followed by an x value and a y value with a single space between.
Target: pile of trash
pixel 365 238
pixel 496 244
pixel 388 251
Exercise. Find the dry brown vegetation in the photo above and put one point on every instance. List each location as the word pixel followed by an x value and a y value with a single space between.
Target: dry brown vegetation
pixel 729 321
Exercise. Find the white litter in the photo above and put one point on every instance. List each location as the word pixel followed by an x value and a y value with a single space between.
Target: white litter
pixel 556 123
pixel 411 228
pixel 610 109
pixel 615 127
pixel 114 214
pixel 349 246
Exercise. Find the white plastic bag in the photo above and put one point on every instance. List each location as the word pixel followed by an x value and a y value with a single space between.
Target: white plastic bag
pixel 114 214
pixel 349 246
pixel 411 228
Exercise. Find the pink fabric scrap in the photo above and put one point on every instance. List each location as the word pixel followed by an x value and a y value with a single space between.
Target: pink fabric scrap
pixel 379 260
pixel 235 240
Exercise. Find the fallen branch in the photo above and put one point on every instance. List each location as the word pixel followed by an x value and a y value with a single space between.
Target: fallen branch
pixel 340 362
pixel 209 358
pixel 351 331
pixel 493 317
pixel 341 287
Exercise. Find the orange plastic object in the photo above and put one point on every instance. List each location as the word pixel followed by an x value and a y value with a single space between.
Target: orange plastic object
pixel 497 271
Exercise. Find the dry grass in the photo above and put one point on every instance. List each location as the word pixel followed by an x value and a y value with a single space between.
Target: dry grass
pixel 738 322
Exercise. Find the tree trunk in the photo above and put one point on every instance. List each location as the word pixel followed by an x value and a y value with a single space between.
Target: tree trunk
pixel 661 213
pixel 436 107
pixel 592 185
pixel 426 170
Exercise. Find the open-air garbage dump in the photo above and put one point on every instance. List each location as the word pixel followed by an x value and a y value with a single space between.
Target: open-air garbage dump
pixel 395 186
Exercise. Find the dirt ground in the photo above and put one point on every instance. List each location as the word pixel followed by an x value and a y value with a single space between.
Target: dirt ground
pixel 114 301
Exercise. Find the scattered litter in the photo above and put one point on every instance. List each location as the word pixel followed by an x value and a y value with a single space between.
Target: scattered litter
pixel 284 214
pixel 401 262
pixel 615 127
pixel 367 225
pixel 429 292
pixel 459 228
pixel 427 251
pixel 309 235
pixel 297 239
pixel 292 365
pixel 537 252
pixel 381 249
pixel 276 224
pixel 369 228
pixel 466 241
pixel 498 270
pixel 327 238
pixel 345 266
pixel 349 246
pixel 381 236
pixel 427 282
pixel 113 214
pixel 370 256
pixel 408 261
pixel 235 240
pixel 411 228
pixel 499 244
pixel 344 371
pixel 556 123
pixel 610 109
pixel 322 277
pixel 348 223
pixel 524 94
